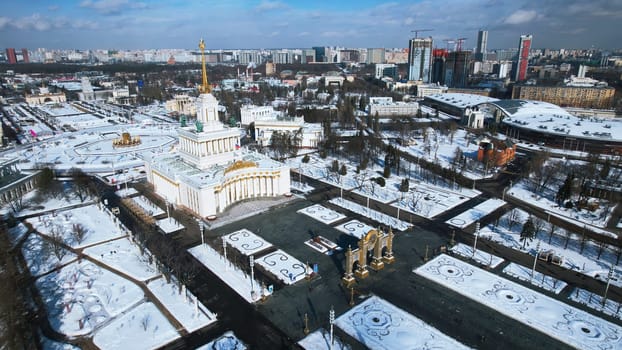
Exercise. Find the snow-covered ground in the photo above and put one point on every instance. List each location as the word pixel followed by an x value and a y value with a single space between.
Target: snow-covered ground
pixel 538 279
pixel 228 273
pixel 320 340
pixel 182 304
pixel 301 186
pixel 378 324
pixel 169 225
pixel 322 214
pixel 595 301
pixel 476 213
pixel 148 206
pixel 42 256
pixel 596 221
pixel 124 256
pixel 375 215
pixel 246 242
pixel 126 192
pixel 17 233
pixel 81 296
pixel 354 228
pixel 143 327
pixel 283 266
pixel 565 323
pixel 586 261
pixel 91 217
pixel 428 200
pixel 227 341
pixel 480 256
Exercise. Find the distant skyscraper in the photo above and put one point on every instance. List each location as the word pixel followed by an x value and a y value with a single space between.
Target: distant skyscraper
pixel 10 56
pixel 375 56
pixel 457 68
pixel 524 45
pixel 320 54
pixel 420 59
pixel 482 42
pixel 25 57
pixel 438 66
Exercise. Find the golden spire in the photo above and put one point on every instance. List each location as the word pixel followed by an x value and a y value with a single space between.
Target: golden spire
pixel 205 87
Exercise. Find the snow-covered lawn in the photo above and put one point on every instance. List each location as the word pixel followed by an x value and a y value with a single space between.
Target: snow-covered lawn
pixel 42 256
pixel 169 225
pixel 586 262
pixel 480 256
pixel 354 228
pixel 124 256
pixel 476 213
pixel 595 301
pixel 126 192
pixel 377 324
pixel 428 200
pixel 184 306
pixel 246 242
pixel 148 206
pixel 227 341
pixel 596 221
pixel 143 327
pixel 320 340
pixel 322 214
pixel 234 278
pixel 99 225
pixel 375 215
pixel 565 323
pixel 539 279
pixel 33 205
pixel 301 187
pixel 82 294
pixel 283 266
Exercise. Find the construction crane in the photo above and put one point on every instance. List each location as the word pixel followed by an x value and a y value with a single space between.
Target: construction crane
pixel 449 41
pixel 416 31
pixel 459 42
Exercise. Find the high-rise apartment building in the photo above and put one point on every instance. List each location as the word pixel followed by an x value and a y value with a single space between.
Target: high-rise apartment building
pixel 482 42
pixel 11 56
pixel 457 69
pixel 438 66
pixel 25 57
pixel 524 45
pixel 420 59
pixel 375 56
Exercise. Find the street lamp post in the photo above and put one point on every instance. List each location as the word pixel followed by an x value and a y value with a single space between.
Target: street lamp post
pixel 331 319
pixel 535 260
pixel 252 264
pixel 609 276
pixel 475 242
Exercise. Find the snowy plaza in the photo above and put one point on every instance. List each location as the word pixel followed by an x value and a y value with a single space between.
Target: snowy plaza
pixel 568 324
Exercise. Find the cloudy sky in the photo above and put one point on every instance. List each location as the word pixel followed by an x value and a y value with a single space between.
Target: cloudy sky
pixel 136 24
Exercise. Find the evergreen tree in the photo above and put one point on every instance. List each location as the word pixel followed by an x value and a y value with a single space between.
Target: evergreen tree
pixel 528 232
pixel 565 190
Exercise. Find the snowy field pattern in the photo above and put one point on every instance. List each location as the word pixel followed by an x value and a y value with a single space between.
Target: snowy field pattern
pixel 476 213
pixel 374 215
pixel 124 256
pixel 539 279
pixel 320 340
pixel 378 324
pixel 283 266
pixel 563 322
pixel 246 242
pixel 480 256
pixel 227 341
pixel 322 214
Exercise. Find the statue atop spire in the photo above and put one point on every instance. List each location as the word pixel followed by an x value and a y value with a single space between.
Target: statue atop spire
pixel 205 87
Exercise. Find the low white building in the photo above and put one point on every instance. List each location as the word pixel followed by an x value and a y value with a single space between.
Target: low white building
pixel 385 107
pixel 250 114
pixel 182 104
pixel 424 90
pixel 310 134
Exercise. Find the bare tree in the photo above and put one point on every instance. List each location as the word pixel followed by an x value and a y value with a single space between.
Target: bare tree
pixel 79 232
pixel 145 321
pixel 81 183
pixel 512 218
pixel 538 225
pixel 55 243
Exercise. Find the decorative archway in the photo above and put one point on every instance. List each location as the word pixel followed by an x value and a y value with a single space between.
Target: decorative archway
pixel 375 241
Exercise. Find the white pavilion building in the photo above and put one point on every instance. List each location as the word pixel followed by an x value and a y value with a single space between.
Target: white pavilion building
pixel 210 172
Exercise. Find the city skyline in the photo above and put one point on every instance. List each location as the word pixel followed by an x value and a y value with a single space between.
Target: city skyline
pixel 124 24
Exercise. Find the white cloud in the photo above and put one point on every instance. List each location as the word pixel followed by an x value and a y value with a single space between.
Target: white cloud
pixel 4 21
pixel 269 5
pixel 42 24
pixel 521 16
pixel 111 7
